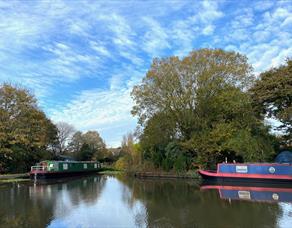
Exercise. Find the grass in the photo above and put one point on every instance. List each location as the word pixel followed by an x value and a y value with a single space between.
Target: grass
pixel 13 180
pixel 111 172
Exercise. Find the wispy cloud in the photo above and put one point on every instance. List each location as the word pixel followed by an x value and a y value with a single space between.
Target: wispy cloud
pixel 82 58
pixel 105 110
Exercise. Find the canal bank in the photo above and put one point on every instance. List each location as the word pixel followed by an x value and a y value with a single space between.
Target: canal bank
pixel 159 174
pixel 110 171
pixel 5 178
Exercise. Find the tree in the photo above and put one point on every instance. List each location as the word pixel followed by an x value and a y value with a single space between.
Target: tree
pixel 76 142
pixel 96 143
pixel 172 85
pixel 25 131
pixel 65 132
pixel 197 108
pixel 228 127
pixel 272 96
pixel 127 146
pixel 88 146
pixel 86 153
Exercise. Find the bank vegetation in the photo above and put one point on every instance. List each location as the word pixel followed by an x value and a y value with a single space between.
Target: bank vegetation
pixel 204 108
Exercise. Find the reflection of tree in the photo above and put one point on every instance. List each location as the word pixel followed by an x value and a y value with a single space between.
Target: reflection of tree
pixel 25 205
pixel 176 203
pixel 17 209
pixel 86 189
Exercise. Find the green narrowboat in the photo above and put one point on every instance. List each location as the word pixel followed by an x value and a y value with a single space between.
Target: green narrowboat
pixel 55 169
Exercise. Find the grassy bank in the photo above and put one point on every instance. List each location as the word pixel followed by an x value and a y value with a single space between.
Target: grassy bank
pixel 7 178
pixel 111 172
pixel 14 176
pixel 191 174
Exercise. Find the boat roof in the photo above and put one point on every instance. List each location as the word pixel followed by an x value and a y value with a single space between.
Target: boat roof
pixel 284 157
pixel 258 163
pixel 69 161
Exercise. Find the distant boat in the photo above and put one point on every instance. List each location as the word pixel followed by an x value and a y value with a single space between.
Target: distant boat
pixel 55 169
pixel 280 172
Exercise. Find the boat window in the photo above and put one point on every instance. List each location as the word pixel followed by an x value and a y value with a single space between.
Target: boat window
pixel 95 166
pixel 51 165
pixel 241 169
pixel 65 166
pixel 85 166
pixel 244 194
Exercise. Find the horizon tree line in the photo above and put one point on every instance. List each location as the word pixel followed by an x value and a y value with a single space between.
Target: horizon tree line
pixel 197 109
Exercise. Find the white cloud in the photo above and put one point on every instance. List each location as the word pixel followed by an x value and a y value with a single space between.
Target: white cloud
pixel 208 30
pixel 202 21
pixel 209 12
pixel 123 33
pixel 263 5
pixel 107 110
pixel 99 51
pixel 99 110
pixel 156 38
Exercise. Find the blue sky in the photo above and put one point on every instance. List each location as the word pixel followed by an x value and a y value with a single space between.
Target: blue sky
pixel 82 58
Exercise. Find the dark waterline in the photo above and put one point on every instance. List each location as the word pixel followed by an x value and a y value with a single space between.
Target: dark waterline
pixel 119 201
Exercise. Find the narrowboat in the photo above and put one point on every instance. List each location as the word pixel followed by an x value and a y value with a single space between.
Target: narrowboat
pixel 252 193
pixel 250 172
pixel 55 169
pixel 278 172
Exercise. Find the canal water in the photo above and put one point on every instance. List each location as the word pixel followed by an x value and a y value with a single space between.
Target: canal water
pixel 119 201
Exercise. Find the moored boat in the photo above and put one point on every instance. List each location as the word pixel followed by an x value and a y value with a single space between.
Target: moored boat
pixel 55 169
pixel 250 172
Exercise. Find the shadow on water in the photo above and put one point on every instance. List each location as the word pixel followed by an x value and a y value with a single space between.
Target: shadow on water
pixel 115 201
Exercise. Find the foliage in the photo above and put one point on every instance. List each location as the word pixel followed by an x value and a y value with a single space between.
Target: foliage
pixel 172 85
pixel 122 163
pixel 197 109
pixel 65 131
pixel 130 154
pixel 88 146
pixel 25 132
pixel 272 96
pixel 86 153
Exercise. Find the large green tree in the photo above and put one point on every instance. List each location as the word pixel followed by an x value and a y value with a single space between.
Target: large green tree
pixel 172 85
pixel 272 96
pixel 198 105
pixel 25 132
pixel 88 146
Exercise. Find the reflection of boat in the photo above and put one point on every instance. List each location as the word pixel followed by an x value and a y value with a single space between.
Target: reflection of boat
pixel 56 169
pixel 266 194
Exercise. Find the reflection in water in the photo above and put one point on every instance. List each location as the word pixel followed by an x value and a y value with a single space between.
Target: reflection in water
pixel 252 193
pixel 107 201
pixel 178 203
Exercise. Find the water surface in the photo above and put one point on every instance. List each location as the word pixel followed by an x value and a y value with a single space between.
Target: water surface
pixel 118 201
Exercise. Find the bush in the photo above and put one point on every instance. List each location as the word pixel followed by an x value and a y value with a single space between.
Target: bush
pixel 122 163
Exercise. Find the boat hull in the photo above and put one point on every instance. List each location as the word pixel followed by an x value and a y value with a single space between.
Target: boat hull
pixel 226 179
pixel 52 175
